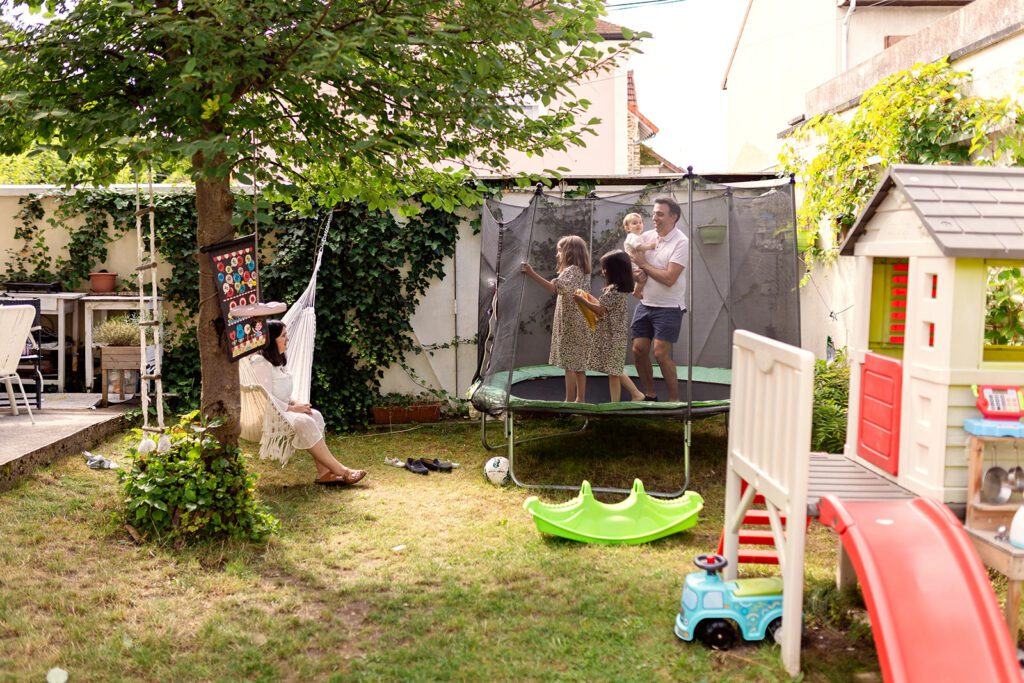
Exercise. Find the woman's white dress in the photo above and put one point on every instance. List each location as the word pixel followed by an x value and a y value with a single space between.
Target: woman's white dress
pixel 277 382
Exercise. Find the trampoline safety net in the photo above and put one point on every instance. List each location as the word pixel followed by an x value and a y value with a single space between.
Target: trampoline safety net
pixel 743 274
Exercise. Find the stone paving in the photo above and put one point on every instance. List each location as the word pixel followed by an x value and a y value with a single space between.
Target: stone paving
pixel 68 423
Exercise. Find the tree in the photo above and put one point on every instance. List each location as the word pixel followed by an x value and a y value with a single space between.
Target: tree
pixel 370 99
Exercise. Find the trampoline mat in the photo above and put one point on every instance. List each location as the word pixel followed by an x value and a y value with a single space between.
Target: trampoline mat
pixel 542 389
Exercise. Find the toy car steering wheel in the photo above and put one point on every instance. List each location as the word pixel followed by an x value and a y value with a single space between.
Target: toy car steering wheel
pixel 711 563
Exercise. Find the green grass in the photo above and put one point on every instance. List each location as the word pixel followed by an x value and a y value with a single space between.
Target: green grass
pixel 406 578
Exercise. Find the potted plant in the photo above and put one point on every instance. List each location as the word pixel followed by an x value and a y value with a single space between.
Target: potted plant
pixel 118 339
pixel 102 282
pixel 394 408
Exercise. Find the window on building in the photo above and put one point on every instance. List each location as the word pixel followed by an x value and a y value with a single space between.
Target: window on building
pixel 892 40
pixel 1004 317
pixel 533 109
pixel 888 321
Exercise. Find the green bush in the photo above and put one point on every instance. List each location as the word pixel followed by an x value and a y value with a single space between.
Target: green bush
pixel 831 400
pixel 198 489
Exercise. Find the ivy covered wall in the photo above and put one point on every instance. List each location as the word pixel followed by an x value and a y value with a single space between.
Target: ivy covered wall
pixel 374 272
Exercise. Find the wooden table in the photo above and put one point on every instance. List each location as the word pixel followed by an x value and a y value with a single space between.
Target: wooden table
pixel 104 303
pixel 59 304
pixel 1008 561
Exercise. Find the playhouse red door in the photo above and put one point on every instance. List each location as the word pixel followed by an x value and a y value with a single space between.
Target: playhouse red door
pixel 878 440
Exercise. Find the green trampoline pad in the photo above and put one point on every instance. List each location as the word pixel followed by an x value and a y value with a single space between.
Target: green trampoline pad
pixel 542 388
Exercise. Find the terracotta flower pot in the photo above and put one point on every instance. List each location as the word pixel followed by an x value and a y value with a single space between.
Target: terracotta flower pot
pixel 102 282
pixel 426 412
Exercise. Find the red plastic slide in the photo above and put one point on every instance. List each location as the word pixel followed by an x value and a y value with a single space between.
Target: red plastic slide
pixel 934 616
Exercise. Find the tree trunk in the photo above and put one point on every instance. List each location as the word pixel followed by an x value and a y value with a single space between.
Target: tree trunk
pixel 221 394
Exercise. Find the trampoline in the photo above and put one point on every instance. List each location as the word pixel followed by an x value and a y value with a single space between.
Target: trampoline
pixel 743 273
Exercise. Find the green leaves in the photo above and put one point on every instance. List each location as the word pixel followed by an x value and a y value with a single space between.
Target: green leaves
pixel 356 103
pixel 831 402
pixel 919 116
pixel 1004 303
pixel 177 497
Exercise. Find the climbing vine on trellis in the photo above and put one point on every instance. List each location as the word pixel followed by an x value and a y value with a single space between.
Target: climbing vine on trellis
pixel 374 272
pixel 923 115
pixel 91 219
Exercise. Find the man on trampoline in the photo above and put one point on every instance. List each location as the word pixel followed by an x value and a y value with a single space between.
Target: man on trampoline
pixel 659 315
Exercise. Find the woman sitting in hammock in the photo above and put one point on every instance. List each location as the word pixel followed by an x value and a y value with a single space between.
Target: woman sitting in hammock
pixel 307 423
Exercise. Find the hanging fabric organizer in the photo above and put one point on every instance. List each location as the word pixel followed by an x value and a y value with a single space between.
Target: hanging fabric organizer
pixel 237 281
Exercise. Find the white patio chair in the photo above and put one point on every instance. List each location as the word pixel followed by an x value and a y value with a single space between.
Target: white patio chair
pixel 15 328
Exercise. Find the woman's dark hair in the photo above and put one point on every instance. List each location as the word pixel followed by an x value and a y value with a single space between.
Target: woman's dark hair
pixel 270 352
pixel 618 270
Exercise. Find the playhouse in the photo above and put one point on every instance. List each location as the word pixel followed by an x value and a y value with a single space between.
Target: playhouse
pixel 926 247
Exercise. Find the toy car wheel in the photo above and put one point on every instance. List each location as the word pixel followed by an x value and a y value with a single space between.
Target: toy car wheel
pixel 716 633
pixel 773 631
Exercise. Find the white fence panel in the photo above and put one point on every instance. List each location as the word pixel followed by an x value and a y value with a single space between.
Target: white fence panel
pixel 769 449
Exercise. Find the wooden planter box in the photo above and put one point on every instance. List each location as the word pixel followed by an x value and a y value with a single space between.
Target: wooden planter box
pixel 423 412
pixel 118 359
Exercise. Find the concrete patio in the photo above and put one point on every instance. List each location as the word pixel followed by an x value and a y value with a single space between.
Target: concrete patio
pixel 68 423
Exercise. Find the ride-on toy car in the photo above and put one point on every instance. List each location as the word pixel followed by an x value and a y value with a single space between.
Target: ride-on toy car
pixel 710 606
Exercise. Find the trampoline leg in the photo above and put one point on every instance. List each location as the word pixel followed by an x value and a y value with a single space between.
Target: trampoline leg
pixel 483 433
pixel 687 432
pixel 493 447
pixel 510 442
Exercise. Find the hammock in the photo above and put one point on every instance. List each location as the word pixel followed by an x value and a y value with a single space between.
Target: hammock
pixel 263 416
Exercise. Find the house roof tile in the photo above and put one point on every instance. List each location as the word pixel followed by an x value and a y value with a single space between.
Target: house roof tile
pixel 970 211
pixel 609 31
pixel 650 130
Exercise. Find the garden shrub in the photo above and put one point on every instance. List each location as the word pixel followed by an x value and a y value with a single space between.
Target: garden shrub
pixel 117 331
pixel 198 489
pixel 831 401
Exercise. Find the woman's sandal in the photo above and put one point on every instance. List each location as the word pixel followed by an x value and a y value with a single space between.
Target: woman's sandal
pixel 348 478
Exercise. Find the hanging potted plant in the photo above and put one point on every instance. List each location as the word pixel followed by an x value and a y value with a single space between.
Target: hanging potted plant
pixel 712 233
pixel 401 408
pixel 118 339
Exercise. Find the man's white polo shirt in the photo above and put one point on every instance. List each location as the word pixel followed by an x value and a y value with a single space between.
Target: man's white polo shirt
pixel 673 248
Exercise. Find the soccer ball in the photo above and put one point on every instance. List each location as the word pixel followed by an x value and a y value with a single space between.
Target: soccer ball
pixel 496 471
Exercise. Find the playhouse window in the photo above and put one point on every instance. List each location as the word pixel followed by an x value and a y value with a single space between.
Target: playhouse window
pixel 888 319
pixel 1004 318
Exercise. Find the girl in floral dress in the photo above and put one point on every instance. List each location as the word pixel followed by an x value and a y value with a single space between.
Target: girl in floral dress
pixel 570 334
pixel 611 335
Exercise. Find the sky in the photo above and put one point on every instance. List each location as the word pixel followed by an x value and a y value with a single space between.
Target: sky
pixel 679 75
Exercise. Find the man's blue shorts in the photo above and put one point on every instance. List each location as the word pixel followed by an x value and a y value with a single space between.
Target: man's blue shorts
pixel 650 322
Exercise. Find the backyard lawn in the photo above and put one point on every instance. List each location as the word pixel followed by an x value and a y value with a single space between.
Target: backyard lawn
pixel 405 577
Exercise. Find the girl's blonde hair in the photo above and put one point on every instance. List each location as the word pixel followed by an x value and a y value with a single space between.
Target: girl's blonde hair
pixel 628 216
pixel 574 253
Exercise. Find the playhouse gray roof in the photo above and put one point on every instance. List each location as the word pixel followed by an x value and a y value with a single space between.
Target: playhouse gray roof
pixel 970 211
